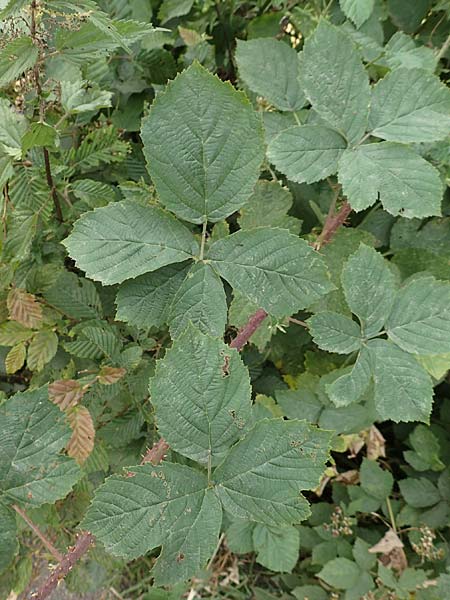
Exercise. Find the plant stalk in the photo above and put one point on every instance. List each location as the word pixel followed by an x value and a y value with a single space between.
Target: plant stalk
pixel 47 543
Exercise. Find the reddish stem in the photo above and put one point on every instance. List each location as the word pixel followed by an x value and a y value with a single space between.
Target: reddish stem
pixel 82 545
pixel 156 453
pixel 332 224
pixel 248 330
pixel 47 543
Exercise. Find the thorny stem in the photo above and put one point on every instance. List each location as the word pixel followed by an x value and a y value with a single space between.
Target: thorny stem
pixel 248 330
pixel 82 545
pixel 47 543
pixel 156 453
pixel 332 224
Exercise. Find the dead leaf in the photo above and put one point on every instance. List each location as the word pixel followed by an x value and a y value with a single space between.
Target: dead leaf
pixel 24 308
pixel 348 477
pixel 81 443
pixel 391 548
pixel 376 444
pixel 66 393
pixel 110 375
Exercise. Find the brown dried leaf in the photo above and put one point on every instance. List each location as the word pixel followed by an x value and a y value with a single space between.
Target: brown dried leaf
pixel 348 477
pixel 81 443
pixel 110 375
pixel 66 393
pixel 376 444
pixel 24 308
pixel 15 358
pixel 391 548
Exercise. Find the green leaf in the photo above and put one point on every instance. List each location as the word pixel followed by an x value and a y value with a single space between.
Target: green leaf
pixel 15 358
pixel 146 301
pixel 427 448
pixel 349 387
pixel 408 15
pixel 276 270
pixel 12 333
pixel 419 492
pixel 338 89
pixel 268 206
pixel 403 389
pixel 240 536
pixel 33 432
pixel 307 153
pixel 357 11
pixel 335 332
pixel 168 505
pixel 201 300
pixel 15 58
pixel 270 68
pixel 42 349
pixel 75 296
pixel 8 537
pixel 39 135
pixel 420 318
pixel 405 183
pixel 375 481
pixel 12 127
pixel 369 287
pixel 170 9
pixel 409 105
pixel 276 547
pixel 75 99
pixel 210 397
pixel 124 240
pixel 264 473
pixel 340 573
pixel 204 146
pixel 402 51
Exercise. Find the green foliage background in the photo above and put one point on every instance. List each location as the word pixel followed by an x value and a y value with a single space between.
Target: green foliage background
pixel 168 168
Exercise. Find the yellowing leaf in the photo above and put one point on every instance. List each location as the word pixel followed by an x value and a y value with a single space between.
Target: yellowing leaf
pixel 24 308
pixel 15 358
pixel 42 349
pixel 66 393
pixel 81 443
pixel 110 375
pixel 12 333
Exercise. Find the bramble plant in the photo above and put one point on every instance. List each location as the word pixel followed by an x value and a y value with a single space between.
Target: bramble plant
pixel 225 276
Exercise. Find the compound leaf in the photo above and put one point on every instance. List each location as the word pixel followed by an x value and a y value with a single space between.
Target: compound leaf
pixel 307 153
pixel 202 397
pixel 335 332
pixel 270 68
pixel 124 240
pixel 420 318
pixel 405 183
pixel 33 432
pixel 146 301
pixel 369 287
pixel 204 146
pixel 276 270
pixel 200 299
pixel 409 105
pixel 403 389
pixel 338 89
pixel 168 505
pixel 262 477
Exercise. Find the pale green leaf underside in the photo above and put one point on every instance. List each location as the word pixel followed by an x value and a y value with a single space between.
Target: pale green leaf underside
pixel 9 545
pixel 357 11
pixel 350 386
pixel 125 239
pixel 204 146
pixel 32 434
pixel 409 105
pixel 270 68
pixel 16 57
pixel 276 270
pixel 201 300
pixel 369 286
pixel 337 87
pixel 145 301
pixel 405 183
pixel 165 506
pixel 268 206
pixel 276 547
pixel 202 397
pixel 264 474
pixel 420 318
pixel 403 389
pixel 335 332
pixel 307 153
